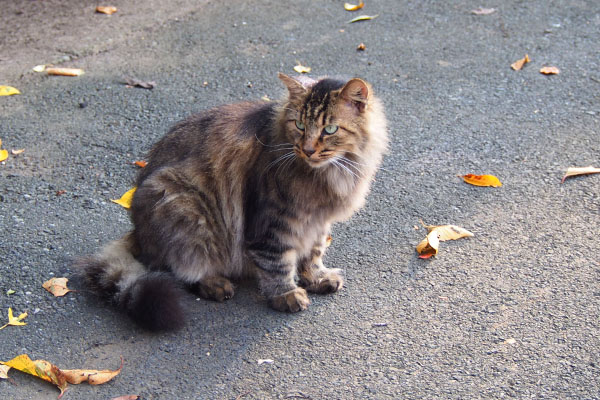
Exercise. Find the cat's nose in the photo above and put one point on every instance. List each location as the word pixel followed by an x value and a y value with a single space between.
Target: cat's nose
pixel 309 151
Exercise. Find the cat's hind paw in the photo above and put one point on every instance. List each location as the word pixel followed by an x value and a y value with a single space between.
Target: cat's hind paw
pixel 214 288
pixel 293 301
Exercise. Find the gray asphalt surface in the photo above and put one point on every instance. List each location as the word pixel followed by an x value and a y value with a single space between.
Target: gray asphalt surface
pixel 513 312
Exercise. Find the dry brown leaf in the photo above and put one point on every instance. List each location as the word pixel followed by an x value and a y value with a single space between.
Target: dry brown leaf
pixel 483 11
pixel 91 376
pixel 549 71
pixel 132 82
pixel 361 47
pixel 16 152
pixel 428 247
pixel 127 397
pixel 354 7
pixel 64 71
pixel 517 65
pixel 57 286
pixel 482 180
pixel 108 10
pixel 575 171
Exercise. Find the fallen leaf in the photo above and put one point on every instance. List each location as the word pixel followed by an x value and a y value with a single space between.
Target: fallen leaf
pixel 4 371
pixel 108 10
pixel 60 192
pixel 132 82
pixel 3 155
pixel 428 247
pixel 57 286
pixel 39 68
pixel 265 361
pixel 361 47
pixel 549 71
pixel 141 163
pixel 125 200
pixel 64 71
pixel 41 369
pixel 127 397
pixel 517 65
pixel 265 98
pixel 8 90
pixel 301 69
pixel 363 18
pixel 575 171
pixel 483 11
pixel 354 7
pixel 91 376
pixel 510 341
pixel 9 292
pixel 482 180
pixel 16 152
pixel 15 321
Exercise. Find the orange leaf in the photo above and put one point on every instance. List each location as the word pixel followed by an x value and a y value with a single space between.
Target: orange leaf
pixel 141 163
pixel 92 376
pixel 106 9
pixel 482 180
pixel 549 71
pixel 57 286
pixel 354 7
pixel 64 71
pixel 517 65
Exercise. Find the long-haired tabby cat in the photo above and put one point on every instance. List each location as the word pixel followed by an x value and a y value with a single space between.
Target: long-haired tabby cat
pixel 247 189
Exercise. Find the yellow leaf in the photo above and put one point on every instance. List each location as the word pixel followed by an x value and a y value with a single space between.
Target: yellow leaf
pixel 18 321
pixel 549 71
pixel 354 7
pixel 8 90
pixel 106 9
pixel 57 286
pixel 301 69
pixel 4 371
pixel 482 180
pixel 91 376
pixel 41 369
pixel 125 200
pixel 3 155
pixel 517 65
pixel 575 171
pixel 363 18
pixel 64 71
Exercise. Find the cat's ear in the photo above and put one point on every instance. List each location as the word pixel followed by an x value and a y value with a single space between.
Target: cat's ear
pixel 356 94
pixel 294 87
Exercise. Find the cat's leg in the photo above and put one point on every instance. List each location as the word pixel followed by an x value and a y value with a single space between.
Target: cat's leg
pixel 276 272
pixel 314 276
pixel 215 288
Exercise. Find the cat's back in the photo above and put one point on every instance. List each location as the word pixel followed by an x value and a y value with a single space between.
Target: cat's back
pixel 228 133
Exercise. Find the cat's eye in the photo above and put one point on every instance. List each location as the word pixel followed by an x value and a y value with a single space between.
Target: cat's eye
pixel 299 125
pixel 330 129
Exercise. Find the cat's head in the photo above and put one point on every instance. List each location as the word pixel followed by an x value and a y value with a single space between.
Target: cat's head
pixel 327 120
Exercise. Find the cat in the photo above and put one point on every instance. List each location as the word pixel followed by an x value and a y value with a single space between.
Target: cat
pixel 245 190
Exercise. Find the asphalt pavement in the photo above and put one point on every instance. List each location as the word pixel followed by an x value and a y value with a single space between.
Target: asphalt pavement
pixel 513 312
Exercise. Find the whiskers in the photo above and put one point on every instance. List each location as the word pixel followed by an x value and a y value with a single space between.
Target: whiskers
pixel 347 166
pixel 284 162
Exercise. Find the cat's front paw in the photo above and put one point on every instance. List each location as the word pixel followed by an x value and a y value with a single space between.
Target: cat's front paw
pixel 214 288
pixel 329 282
pixel 293 301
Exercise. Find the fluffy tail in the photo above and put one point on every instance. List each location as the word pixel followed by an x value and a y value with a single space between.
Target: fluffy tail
pixel 151 299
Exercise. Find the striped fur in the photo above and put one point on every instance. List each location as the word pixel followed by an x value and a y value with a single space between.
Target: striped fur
pixel 241 191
